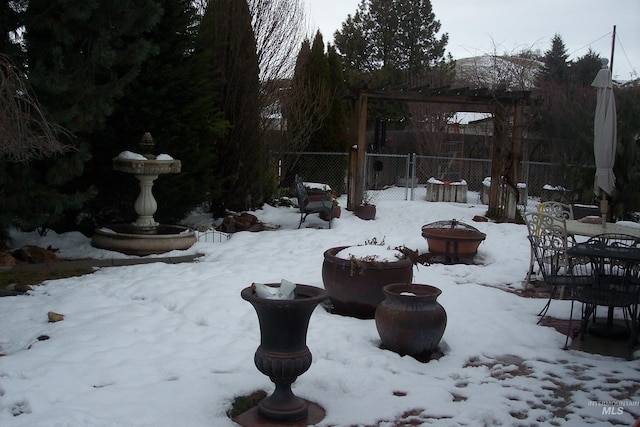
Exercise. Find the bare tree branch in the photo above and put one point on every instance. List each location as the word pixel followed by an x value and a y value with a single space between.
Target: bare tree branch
pixel 25 132
pixel 307 105
pixel 279 29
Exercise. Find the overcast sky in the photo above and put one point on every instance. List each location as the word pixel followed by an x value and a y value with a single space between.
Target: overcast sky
pixel 476 27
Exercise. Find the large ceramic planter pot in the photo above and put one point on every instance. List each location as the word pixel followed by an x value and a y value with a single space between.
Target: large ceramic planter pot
pixel 283 354
pixel 356 289
pixel 455 241
pixel 410 321
pixel 366 212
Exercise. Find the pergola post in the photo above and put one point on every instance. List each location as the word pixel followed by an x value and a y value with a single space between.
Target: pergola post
pixel 516 154
pixel 355 184
pixel 497 162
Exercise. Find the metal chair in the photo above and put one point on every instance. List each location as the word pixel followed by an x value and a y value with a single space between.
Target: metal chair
pixel 308 207
pixel 548 237
pixel 556 210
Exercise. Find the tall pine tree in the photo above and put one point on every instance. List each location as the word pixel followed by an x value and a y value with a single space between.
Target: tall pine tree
pixel 80 56
pixel 171 99
pixel 315 113
pixel 241 168
pixel 556 63
pixel 393 41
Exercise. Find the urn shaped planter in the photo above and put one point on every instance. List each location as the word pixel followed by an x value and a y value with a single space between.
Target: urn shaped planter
pixel 355 286
pixel 410 321
pixel 283 354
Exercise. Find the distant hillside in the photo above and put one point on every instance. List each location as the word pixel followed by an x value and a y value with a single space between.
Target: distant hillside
pixel 507 72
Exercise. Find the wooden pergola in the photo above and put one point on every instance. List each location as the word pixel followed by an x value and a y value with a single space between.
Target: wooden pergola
pixel 507 146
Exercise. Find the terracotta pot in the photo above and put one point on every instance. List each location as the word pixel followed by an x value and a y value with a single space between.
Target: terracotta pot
pixel 453 240
pixel 410 321
pixel 366 212
pixel 356 290
pixel 283 354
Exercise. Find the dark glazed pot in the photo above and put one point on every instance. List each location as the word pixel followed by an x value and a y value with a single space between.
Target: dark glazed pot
pixel 283 354
pixel 356 290
pixel 410 321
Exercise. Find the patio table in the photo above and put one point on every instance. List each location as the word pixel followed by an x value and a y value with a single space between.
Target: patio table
pixel 612 290
pixel 578 228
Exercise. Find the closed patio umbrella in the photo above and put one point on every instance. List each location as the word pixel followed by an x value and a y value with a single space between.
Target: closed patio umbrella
pixel 604 137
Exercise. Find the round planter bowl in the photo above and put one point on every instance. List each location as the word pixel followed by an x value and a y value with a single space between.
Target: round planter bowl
pixel 455 243
pixel 410 321
pixel 356 290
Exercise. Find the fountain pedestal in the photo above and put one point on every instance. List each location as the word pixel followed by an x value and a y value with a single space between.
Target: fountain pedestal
pixel 146 205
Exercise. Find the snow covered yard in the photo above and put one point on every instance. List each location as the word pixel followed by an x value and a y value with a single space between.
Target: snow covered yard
pixel 172 344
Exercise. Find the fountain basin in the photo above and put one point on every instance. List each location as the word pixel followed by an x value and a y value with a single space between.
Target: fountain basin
pixel 146 167
pixel 123 238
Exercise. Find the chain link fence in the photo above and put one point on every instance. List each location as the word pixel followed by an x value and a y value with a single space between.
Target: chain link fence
pixel 409 173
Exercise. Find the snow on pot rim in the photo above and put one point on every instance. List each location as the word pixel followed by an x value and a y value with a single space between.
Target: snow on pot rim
pixel 370 253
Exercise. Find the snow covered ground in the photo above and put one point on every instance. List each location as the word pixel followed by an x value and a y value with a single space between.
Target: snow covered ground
pixel 172 344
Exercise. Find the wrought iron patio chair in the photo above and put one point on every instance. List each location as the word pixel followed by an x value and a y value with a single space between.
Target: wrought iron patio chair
pixel 548 237
pixel 549 243
pixel 556 210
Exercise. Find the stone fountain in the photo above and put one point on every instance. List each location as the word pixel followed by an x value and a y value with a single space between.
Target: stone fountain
pixel 144 236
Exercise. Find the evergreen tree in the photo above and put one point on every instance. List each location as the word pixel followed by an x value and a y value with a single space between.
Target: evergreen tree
pixel 315 115
pixel 336 122
pixel 554 84
pixel 565 116
pixel 556 62
pixel 241 168
pixel 394 43
pixel 394 39
pixel 355 42
pixel 171 98
pixel 336 126
pixel 310 98
pixel 80 56
pixel 315 70
pixel 625 201
pixel 584 69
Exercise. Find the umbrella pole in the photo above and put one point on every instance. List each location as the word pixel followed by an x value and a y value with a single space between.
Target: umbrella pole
pixel 604 209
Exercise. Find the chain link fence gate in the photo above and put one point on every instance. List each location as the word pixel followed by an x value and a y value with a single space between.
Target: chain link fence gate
pixel 404 176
